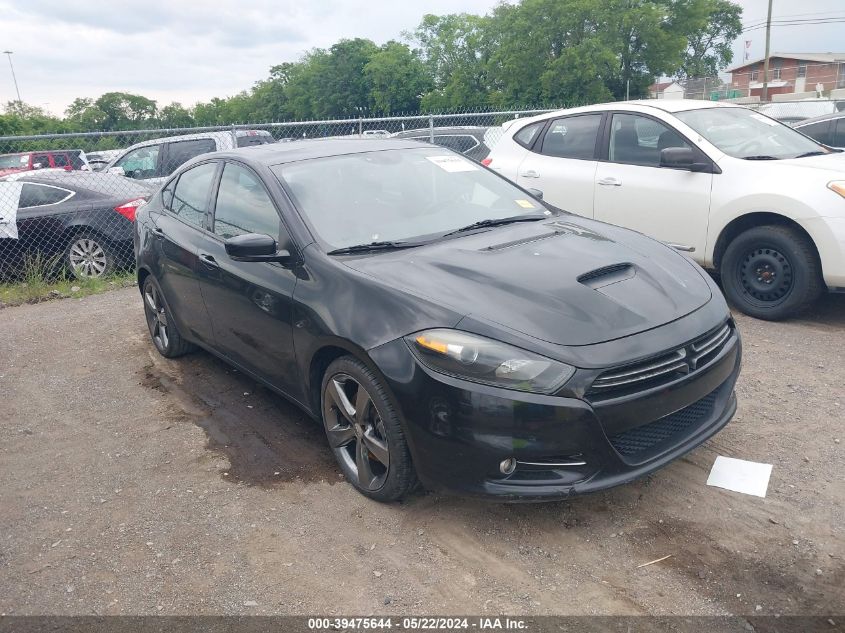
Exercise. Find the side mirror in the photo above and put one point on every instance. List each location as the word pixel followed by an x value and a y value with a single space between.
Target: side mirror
pixel 119 171
pixel 535 192
pixel 681 158
pixel 255 247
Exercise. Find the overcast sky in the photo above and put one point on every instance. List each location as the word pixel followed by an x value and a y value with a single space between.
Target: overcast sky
pixel 191 50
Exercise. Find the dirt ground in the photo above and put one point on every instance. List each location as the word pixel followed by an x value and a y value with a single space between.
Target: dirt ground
pixel 130 484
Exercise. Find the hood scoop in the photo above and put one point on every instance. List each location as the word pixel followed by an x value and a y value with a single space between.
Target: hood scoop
pixel 607 275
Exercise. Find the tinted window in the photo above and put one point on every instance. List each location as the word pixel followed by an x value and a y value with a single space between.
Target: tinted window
pixel 527 134
pixel 190 197
pixel 254 139
pixel 40 161
pixel 819 131
pixel 60 160
pixel 140 163
pixel 243 205
pixel 838 139
pixel 181 152
pixel 638 140
pixel 572 137
pixel 33 195
pixel 460 143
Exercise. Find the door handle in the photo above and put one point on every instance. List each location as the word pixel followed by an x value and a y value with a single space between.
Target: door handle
pixel 208 260
pixel 610 181
pixel 530 173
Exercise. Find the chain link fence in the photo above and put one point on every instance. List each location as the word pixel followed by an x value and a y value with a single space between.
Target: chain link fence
pixel 68 201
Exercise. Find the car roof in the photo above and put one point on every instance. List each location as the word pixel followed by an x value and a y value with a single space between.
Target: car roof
pixel 279 153
pixel 818 119
pixel 106 184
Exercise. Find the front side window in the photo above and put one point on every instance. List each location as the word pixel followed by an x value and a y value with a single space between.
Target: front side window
pixel 399 195
pixel 743 133
pixel 60 160
pixel 40 161
pixel 36 195
pixel 243 205
pixel 140 163
pixel 638 140
pixel 180 152
pixel 818 131
pixel 572 137
pixel 190 196
pixel 838 139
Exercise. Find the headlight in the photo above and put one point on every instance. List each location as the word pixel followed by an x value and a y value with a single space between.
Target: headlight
pixel 486 361
pixel 838 186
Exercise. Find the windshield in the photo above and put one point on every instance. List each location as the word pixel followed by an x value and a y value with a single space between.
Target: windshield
pixel 13 161
pixel 743 133
pixel 399 195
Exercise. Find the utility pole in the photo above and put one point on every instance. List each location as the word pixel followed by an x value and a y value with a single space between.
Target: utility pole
pixel 765 94
pixel 15 79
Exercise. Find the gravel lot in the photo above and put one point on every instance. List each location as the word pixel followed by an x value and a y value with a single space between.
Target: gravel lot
pixel 130 484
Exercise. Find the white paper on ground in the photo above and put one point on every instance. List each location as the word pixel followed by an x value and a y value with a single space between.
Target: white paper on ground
pixel 751 478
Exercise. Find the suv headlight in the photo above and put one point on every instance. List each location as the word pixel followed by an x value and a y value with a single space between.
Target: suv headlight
pixel 486 361
pixel 837 186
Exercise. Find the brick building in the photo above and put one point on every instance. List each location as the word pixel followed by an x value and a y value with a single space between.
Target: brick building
pixel 791 73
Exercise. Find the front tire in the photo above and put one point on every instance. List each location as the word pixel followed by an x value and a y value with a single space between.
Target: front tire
pixel 771 272
pixel 166 337
pixel 365 431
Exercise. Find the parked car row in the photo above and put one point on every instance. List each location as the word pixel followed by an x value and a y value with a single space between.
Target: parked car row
pixel 66 159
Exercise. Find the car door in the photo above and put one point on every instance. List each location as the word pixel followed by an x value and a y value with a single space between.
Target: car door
pixel 178 231
pixel 634 191
pixel 250 303
pixel 562 163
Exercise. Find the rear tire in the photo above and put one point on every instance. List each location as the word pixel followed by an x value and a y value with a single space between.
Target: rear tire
pixel 771 272
pixel 89 256
pixel 365 432
pixel 166 337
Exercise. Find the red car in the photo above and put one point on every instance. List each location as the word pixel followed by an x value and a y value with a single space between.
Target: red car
pixel 69 159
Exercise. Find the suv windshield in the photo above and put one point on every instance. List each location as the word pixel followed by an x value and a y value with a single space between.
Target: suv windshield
pixel 743 133
pixel 400 195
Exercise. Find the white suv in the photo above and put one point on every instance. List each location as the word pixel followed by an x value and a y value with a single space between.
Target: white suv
pixel 739 192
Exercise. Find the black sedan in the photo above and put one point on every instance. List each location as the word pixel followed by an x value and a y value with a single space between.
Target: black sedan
pixel 443 325
pixel 74 221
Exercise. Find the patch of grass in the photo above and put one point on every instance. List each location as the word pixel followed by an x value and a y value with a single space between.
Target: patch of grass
pixel 39 282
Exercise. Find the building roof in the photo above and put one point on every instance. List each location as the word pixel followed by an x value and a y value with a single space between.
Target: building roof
pixel 804 57
pixel 660 87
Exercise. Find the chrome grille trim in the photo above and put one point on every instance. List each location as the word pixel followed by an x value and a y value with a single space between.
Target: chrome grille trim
pixel 665 366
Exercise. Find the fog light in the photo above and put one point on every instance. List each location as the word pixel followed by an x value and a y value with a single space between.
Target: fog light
pixel 508 466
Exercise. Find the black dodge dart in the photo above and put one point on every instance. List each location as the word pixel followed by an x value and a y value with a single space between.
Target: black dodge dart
pixel 443 324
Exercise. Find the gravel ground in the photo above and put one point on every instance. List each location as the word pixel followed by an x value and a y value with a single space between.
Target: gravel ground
pixel 130 484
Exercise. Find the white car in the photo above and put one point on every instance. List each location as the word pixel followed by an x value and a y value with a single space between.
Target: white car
pixel 739 192
pixel 154 160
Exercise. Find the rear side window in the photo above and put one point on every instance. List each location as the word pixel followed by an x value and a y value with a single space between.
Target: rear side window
pixel 818 131
pixel 60 160
pixel 527 134
pixel 243 205
pixel 458 142
pixel 190 196
pixel 35 195
pixel 254 139
pixel 181 152
pixel 40 161
pixel 572 137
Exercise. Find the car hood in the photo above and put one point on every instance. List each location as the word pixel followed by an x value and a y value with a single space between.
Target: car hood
pixel 568 281
pixel 833 162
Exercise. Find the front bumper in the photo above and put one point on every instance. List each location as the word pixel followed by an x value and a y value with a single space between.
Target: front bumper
pixel 459 432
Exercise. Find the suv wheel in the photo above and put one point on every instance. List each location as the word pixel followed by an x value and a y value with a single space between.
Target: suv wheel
pixel 771 272
pixel 365 432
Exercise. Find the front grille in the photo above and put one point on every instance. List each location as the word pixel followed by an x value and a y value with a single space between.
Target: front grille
pixel 641 441
pixel 661 369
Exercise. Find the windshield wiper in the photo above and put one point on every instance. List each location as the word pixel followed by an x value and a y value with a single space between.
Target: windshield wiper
pixel 814 153
pixel 498 222
pixel 373 246
pixel 764 157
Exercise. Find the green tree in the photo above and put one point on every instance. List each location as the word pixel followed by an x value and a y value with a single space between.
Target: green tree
pixel 123 110
pixel 710 26
pixel 175 115
pixel 397 79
